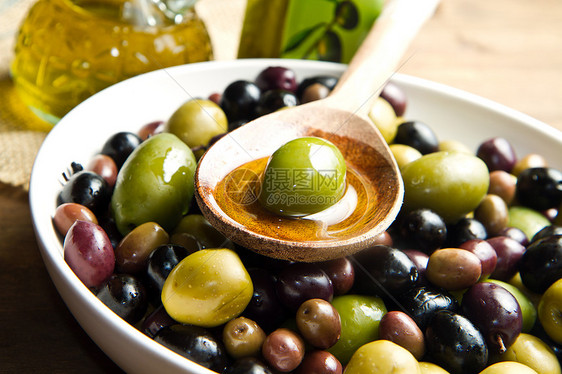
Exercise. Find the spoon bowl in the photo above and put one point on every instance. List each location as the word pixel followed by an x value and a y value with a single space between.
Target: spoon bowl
pixel 340 118
pixel 362 150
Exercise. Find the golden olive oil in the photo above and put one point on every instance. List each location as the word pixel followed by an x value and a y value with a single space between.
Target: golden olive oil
pixel 67 50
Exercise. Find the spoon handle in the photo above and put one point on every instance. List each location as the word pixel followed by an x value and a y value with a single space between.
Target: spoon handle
pixel 380 53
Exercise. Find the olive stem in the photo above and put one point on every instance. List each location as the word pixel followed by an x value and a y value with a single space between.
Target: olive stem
pixel 498 339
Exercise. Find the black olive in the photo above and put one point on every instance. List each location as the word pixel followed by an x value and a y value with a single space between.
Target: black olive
pixel 125 295
pixel 455 344
pixel 541 264
pixel 547 231
pixel 194 343
pixel 463 230
pixel 86 188
pixel 272 100
pixel 239 100
pixel 539 188
pixel 160 263
pixel 119 146
pixel 421 303
pixel 423 229
pixel 248 365
pixel 384 271
pixel 417 135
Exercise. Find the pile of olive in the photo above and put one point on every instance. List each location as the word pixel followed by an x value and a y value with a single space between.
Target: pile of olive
pixel 467 279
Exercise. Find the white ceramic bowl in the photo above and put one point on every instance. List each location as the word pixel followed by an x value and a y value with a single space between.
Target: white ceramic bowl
pixel 453 114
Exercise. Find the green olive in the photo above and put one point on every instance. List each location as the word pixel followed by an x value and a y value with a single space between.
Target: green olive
pixel 360 318
pixel 452 184
pixel 382 357
pixel 243 337
pixel 197 121
pixel 404 154
pixel 131 255
pixel 207 288
pixel 431 368
pixel 197 226
pixel 492 212
pixel 304 176
pixel 155 184
pixel 533 352
pixel 527 220
pixel 383 116
pixel 510 367
pixel 532 160
pixel 454 145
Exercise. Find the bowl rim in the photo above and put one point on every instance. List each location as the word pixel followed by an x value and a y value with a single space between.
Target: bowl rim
pixel 68 284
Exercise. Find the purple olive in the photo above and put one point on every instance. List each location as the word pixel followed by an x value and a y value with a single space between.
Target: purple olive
pixel 498 154
pixel 495 312
pixel 277 78
pixel 509 253
pixel 396 98
pixel 300 281
pixel 88 252
pixel 341 272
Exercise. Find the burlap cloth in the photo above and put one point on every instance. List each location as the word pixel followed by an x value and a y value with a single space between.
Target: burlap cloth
pixel 21 133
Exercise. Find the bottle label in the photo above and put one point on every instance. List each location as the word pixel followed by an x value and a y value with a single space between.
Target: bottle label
pixel 328 30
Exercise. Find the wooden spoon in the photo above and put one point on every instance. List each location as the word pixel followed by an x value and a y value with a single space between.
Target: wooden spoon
pixel 342 118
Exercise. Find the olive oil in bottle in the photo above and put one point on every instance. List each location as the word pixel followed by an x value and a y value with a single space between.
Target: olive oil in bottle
pixel 67 50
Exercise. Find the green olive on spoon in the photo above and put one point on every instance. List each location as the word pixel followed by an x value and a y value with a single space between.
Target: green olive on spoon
pixel 340 118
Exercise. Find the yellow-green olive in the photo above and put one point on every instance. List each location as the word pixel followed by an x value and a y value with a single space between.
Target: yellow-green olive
pixel 207 288
pixel 197 121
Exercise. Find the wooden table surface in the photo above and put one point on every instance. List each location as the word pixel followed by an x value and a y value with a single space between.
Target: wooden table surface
pixel 509 51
